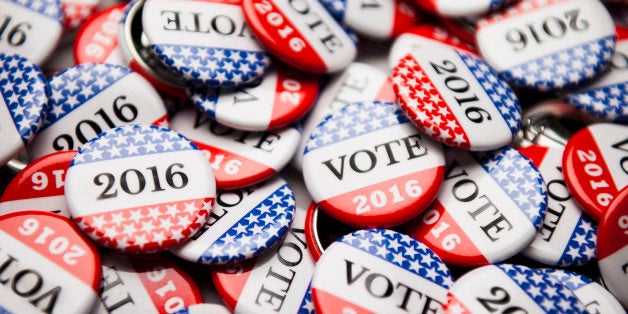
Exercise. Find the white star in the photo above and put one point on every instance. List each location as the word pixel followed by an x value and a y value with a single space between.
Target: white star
pixel 140 241
pixel 129 229
pixel 98 222
pixel 165 223
pixel 159 237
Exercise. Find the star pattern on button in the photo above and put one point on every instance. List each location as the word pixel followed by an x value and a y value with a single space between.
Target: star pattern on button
pixel 354 120
pixel 75 12
pixel 521 8
pixel 423 104
pixel 213 67
pixel 256 231
pixel 307 306
pixel 548 293
pixel 131 140
pixel 205 99
pixel 519 179
pixel 77 85
pixel 48 8
pixel 581 246
pixel 608 102
pixel 23 88
pixel 401 250
pixel 572 280
pixel 336 8
pixel 563 69
pixel 150 228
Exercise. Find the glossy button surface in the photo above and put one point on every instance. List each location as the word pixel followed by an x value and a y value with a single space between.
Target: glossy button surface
pixel 97 40
pixel 452 8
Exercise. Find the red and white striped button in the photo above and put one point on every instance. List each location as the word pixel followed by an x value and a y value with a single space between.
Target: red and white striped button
pixel 97 40
pixel 144 284
pixel 456 99
pixel 595 165
pixel 39 186
pixel 238 158
pixel 48 266
pixel 140 188
pixel 301 33
pixel 76 11
pixel 367 165
pixel 279 99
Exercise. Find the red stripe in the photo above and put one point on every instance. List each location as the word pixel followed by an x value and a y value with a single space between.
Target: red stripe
pixel 454 305
pixel 535 153
pixel 230 280
pixel 612 233
pixel 329 303
pixel 404 16
pixel 294 96
pixel 98 37
pixel 386 92
pixel 310 238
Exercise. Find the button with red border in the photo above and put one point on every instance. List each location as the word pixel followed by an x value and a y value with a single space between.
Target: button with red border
pixel 276 282
pixel 452 8
pixel 612 249
pixel 48 265
pixel 456 99
pixel 300 33
pixel 140 189
pixel 379 271
pixel 367 165
pixel 321 230
pixel 278 99
pixel 74 12
pixel 238 158
pixel 39 186
pixel 97 39
pixel 548 44
pixel 144 284
pixel 91 98
pixel 595 165
pixel 490 207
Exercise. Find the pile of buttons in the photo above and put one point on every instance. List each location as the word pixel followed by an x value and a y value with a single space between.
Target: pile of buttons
pixel 301 156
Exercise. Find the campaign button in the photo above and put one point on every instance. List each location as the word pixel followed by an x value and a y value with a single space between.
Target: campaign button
pixel 456 99
pixel 612 248
pixel 595 165
pixel 595 298
pixel 321 230
pixel 366 165
pixel 144 284
pixel 548 44
pixel 207 43
pixel 140 188
pixel 510 288
pixel 204 308
pixel 451 8
pixel 300 33
pixel 605 97
pixel 30 28
pixel 91 98
pixel 425 35
pixel 464 27
pixel 358 82
pixel 490 207
pixel 48 266
pixel 39 186
pixel 278 99
pixel 244 223
pixel 97 39
pixel 567 236
pixel 23 102
pixel 379 271
pixel 275 282
pixel 238 158
pixel 74 12
pixel 379 20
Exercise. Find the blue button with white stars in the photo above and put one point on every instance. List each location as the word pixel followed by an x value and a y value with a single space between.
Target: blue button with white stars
pixel 244 223
pixel 379 271
pixel 24 99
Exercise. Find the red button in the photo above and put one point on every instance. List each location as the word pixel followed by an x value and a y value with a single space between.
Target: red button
pixel 97 40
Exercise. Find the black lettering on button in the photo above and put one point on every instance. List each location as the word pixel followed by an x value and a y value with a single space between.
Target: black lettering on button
pixel 202 22
pixel 110 280
pixel 318 27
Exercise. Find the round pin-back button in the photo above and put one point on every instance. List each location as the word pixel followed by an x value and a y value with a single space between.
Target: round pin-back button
pixel 91 98
pixel 358 82
pixel 97 39
pixel 451 8
pixel 48 266
pixel 207 42
pixel 612 248
pixel 244 223
pixel 321 230
pixel 420 36
pixel 456 99
pixel 31 28
pixel 595 165
pixel 595 298
pixel 300 33
pixel 516 289
pixel 367 165
pixel 490 207
pixel 378 271
pixel 39 186
pixel 74 12
pixel 140 188
pixel 24 99
pixel 604 98
pixel 380 20
pixel 567 236
pixel 276 282
pixel 277 100
pixel 548 44
pixel 144 284
pixel 239 158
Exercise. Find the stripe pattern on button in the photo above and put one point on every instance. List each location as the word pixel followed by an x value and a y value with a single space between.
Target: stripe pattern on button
pixel 607 102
